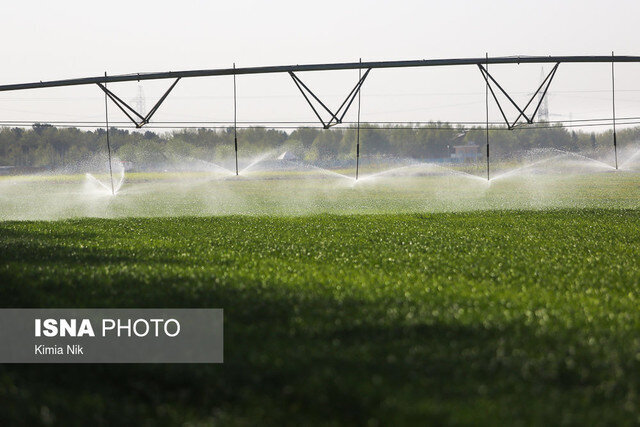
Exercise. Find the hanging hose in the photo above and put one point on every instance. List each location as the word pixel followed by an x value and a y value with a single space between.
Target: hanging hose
pixel 235 123
pixel 358 131
pixel 106 118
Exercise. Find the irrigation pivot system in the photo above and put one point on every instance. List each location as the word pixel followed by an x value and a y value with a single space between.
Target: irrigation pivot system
pixel 336 117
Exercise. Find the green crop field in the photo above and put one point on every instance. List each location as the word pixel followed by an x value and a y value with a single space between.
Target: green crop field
pixel 479 317
pixel 200 194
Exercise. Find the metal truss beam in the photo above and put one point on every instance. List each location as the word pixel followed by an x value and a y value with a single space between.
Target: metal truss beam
pixel 130 111
pixel 338 116
pixel 320 67
pixel 522 111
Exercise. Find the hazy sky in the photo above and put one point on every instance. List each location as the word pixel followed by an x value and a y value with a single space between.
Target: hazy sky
pixel 45 40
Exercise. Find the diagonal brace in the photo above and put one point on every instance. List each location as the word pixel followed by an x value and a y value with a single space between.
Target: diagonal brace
pixel 352 96
pixel 159 103
pixel 504 116
pixel 300 86
pixel 545 83
pixel 130 112
pixel 124 107
pixel 486 76
pixel 338 116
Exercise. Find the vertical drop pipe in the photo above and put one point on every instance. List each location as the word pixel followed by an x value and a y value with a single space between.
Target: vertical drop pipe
pixel 106 119
pixel 486 104
pixel 358 130
pixel 235 123
pixel 613 101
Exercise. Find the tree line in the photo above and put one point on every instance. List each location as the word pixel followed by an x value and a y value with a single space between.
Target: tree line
pixel 46 146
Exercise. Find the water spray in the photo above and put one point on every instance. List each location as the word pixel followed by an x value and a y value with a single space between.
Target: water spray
pixel 106 117
pixel 613 100
pixel 235 122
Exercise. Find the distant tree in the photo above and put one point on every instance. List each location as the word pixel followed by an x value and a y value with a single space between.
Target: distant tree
pixel 44 145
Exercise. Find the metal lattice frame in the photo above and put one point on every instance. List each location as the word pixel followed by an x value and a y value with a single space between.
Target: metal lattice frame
pixel 545 83
pixel 128 110
pixel 338 116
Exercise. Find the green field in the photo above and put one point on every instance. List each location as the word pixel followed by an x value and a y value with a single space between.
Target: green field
pixel 480 317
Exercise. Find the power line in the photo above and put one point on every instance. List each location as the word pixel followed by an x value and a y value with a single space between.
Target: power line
pixel 450 125
pixel 606 120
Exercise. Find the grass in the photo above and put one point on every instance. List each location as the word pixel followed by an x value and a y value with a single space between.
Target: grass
pixel 484 317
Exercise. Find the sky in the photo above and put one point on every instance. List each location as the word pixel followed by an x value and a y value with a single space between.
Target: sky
pixel 44 40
